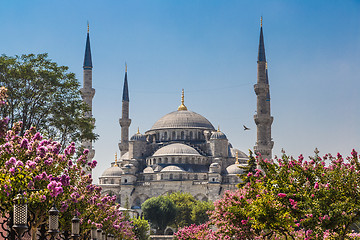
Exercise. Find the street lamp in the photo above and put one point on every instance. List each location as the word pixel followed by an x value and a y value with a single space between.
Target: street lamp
pixel 20 214
pixel 93 233
pixel 53 221
pixel 98 231
pixel 75 227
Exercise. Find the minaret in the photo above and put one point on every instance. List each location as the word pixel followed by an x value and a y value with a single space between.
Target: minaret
pixel 87 92
pixel 124 120
pixel 263 119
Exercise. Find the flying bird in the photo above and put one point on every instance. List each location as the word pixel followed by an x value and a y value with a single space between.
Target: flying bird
pixel 246 128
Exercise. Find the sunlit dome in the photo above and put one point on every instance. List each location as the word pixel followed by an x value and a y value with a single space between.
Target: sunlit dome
pixel 235 169
pixel 176 149
pixel 172 168
pixel 113 171
pixel 183 119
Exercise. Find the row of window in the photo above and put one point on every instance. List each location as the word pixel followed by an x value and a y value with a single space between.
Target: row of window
pixel 179 135
pixel 178 160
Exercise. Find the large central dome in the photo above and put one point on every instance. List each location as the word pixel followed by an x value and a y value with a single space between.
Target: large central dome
pixel 182 119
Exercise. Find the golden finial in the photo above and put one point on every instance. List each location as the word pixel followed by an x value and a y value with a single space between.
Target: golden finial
pixel 218 128
pixel 115 165
pixel 266 65
pixel 125 67
pixel 261 21
pixel 88 30
pixel 237 158
pixel 182 107
pixel 138 132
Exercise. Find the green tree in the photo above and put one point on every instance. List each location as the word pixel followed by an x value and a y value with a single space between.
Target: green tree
pixel 184 203
pixel 160 211
pixel 199 212
pixel 141 228
pixel 249 168
pixel 46 96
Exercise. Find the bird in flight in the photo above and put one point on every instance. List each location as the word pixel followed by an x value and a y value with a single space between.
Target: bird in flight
pixel 246 128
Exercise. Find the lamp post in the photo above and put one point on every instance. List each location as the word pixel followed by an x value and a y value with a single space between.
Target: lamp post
pixel 93 233
pixel 98 231
pixel 53 221
pixel 75 228
pixel 20 214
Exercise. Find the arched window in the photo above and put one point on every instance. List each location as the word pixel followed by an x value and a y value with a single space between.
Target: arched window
pixel 173 135
pixel 165 136
pixel 195 177
pixel 180 160
pixel 199 135
pixel 182 135
pixel 166 160
pixel 191 135
pixel 125 180
pixel 171 176
pixel 173 160
pixel 154 161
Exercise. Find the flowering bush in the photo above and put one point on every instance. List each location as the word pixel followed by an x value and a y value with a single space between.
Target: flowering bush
pixel 290 198
pixel 35 166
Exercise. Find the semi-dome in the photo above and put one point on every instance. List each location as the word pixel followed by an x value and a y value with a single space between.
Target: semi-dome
pixel 176 149
pixel 218 135
pixel 241 154
pixel 148 170
pixel 182 119
pixel 172 168
pixel 235 169
pixel 113 171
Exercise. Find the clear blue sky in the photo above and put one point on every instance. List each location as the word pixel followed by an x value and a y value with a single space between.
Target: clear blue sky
pixel 209 48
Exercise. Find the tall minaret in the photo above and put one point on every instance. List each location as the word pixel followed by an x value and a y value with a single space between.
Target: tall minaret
pixel 124 120
pixel 263 119
pixel 87 92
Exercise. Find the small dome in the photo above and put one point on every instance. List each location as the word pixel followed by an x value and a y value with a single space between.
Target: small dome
pixel 113 171
pixel 148 170
pixel 138 137
pixel 214 165
pixel 218 135
pixel 172 168
pixel 240 153
pixel 182 119
pixel 176 149
pixel 235 169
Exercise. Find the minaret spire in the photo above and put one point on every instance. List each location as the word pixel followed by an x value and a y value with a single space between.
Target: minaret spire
pixel 88 92
pixel 124 120
pixel 263 118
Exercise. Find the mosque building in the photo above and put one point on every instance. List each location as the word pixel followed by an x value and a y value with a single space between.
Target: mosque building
pixel 182 151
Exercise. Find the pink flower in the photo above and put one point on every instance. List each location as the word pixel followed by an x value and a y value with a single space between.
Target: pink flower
pixel 316 186
pixel 282 195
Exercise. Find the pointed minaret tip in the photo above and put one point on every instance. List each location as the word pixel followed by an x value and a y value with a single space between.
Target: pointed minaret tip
pixel 261 53
pixel 182 107
pixel 125 88
pixel 87 57
pixel 88 27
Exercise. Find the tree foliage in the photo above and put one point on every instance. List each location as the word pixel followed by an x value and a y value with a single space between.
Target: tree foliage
pixel 199 212
pixel 184 203
pixel 48 175
pixel 141 228
pixel 290 199
pixel 46 96
pixel 160 211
